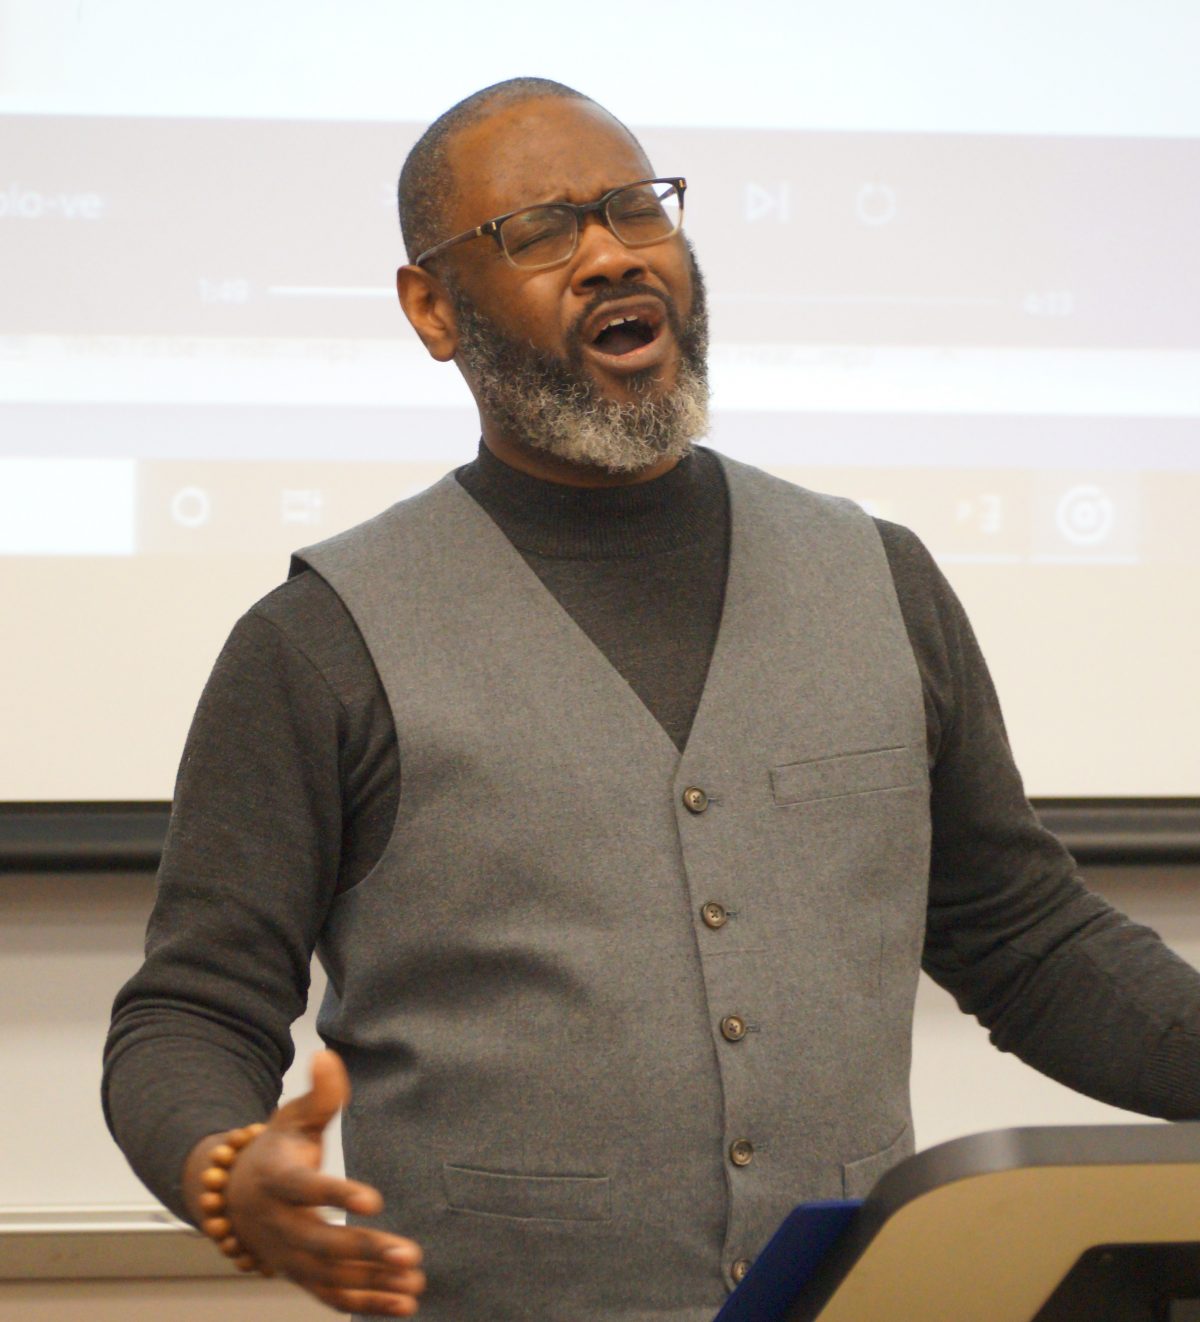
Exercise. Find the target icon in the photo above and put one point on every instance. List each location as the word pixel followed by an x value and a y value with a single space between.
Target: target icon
pixel 1085 515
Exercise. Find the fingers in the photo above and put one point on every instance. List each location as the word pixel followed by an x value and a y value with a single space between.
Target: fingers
pixel 319 1273
pixel 309 1188
pixel 359 1287
pixel 330 1089
pixel 344 1270
pixel 403 1255
pixel 303 1231
pixel 312 1111
pixel 375 1303
pixel 342 1265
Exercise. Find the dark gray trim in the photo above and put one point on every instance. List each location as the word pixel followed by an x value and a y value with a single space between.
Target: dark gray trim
pixel 123 837
pixel 1137 831
pixel 81 837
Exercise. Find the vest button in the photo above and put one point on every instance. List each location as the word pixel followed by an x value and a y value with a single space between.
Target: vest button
pixel 714 915
pixel 741 1152
pixel 695 799
pixel 733 1029
pixel 739 1269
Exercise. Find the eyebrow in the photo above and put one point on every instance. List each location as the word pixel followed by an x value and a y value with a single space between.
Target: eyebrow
pixel 564 200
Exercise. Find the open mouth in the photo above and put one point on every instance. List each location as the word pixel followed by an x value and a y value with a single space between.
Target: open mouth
pixel 624 334
pixel 627 337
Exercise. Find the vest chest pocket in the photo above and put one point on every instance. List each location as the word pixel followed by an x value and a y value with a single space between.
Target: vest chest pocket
pixel 527 1197
pixel 871 772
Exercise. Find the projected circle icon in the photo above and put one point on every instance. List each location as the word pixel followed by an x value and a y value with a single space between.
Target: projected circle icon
pixel 191 507
pixel 1085 515
pixel 875 204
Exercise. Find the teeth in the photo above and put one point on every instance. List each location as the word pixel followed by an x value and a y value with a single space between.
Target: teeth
pixel 619 321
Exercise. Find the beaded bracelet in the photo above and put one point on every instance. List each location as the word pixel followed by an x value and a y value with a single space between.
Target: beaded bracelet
pixel 215 1176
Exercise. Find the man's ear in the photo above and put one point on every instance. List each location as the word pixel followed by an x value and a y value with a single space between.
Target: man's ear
pixel 427 306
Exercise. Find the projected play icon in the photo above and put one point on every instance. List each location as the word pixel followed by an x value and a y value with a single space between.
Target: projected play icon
pixel 767 202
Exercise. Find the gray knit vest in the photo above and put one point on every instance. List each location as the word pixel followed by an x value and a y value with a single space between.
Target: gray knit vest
pixel 610 1010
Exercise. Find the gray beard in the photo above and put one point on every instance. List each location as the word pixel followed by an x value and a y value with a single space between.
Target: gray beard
pixel 552 404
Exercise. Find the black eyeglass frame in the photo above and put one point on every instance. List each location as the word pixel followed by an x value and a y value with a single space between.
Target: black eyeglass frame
pixel 599 208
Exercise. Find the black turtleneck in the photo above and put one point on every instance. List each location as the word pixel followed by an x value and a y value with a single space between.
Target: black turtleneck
pixel 640 568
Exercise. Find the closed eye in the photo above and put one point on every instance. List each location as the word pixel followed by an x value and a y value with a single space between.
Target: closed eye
pixel 527 241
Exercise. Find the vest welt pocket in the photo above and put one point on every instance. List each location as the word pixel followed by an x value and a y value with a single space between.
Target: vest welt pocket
pixel 527 1197
pixel 847 773
pixel 859 1177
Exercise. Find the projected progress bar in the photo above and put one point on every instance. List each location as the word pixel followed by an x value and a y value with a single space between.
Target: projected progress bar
pixel 331 291
pixel 867 300
pixel 852 300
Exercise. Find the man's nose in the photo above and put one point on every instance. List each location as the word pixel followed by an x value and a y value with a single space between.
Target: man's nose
pixel 602 258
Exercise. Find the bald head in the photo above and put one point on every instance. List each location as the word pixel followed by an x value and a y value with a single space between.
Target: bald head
pixel 428 189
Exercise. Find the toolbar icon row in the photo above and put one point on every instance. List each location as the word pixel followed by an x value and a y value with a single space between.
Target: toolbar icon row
pixel 192 506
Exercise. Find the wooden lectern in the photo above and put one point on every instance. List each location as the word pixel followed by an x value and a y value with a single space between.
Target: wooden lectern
pixel 1072 1224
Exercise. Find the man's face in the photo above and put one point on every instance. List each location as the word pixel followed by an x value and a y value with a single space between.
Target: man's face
pixel 531 343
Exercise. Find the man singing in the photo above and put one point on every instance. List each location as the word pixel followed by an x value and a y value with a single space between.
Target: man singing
pixel 622 791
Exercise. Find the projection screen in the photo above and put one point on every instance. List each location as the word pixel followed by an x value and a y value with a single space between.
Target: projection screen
pixel 951 253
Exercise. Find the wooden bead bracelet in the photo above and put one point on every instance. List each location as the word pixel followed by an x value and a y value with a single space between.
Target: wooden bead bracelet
pixel 215 1177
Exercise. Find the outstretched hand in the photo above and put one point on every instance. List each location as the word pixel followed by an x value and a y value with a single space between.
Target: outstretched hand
pixel 275 1189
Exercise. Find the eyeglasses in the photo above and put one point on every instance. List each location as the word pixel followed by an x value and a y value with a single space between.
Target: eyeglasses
pixel 639 214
